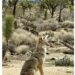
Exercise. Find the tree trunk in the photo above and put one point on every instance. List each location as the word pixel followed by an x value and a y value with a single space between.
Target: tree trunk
pixel 52 13
pixel 59 19
pixel 14 10
pixel 45 14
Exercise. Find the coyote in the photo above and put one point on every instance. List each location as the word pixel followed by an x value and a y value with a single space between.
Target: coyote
pixel 35 62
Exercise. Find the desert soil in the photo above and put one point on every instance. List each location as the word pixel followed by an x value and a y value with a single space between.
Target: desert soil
pixel 14 68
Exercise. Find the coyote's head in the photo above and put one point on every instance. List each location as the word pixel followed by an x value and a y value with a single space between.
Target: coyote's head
pixel 43 40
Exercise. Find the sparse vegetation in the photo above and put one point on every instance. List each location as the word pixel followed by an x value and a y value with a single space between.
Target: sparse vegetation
pixel 23 20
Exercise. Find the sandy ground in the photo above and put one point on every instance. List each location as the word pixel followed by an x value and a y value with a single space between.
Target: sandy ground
pixel 14 68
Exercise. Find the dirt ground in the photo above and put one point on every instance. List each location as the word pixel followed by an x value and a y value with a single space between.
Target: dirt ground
pixel 14 68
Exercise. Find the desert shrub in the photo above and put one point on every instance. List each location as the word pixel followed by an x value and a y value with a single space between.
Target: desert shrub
pixel 19 23
pixel 65 14
pixel 67 24
pixel 22 49
pixel 20 36
pixel 30 17
pixel 4 47
pixel 30 24
pixel 68 38
pixel 24 21
pixel 11 48
pixel 53 24
pixel 49 25
pixel 65 61
pixel 38 15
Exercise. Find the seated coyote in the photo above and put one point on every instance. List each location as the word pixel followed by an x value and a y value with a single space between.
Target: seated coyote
pixel 35 62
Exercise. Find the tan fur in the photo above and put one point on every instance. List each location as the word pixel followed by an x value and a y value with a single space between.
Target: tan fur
pixel 35 62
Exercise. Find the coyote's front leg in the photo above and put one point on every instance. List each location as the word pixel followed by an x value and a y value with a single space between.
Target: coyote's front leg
pixel 41 69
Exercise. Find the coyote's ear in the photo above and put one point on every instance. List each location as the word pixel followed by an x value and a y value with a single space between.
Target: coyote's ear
pixel 46 37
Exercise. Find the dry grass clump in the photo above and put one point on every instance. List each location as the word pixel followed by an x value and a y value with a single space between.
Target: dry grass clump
pixel 22 49
pixel 21 36
pixel 67 24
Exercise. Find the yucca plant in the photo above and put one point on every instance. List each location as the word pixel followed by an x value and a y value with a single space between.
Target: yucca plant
pixel 8 27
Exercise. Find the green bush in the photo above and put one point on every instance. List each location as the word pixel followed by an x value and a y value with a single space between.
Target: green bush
pixel 65 61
